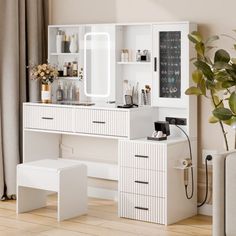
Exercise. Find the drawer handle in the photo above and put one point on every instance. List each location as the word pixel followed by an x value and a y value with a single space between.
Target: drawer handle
pixel 140 182
pixel 141 208
pixel 47 118
pixel 141 156
pixel 99 122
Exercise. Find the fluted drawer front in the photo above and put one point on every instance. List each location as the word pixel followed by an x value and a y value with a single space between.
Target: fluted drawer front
pixel 48 118
pixel 103 122
pixel 147 156
pixel 146 182
pixel 140 207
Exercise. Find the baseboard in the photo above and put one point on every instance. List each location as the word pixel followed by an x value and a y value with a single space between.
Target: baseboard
pixel 206 209
pixel 103 193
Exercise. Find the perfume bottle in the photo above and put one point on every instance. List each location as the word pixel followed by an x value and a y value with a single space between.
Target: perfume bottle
pixel 59 92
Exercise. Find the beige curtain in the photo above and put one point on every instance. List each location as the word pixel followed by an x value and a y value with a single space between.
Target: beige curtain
pixel 23 40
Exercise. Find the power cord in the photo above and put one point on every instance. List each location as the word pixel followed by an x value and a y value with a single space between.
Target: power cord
pixel 208 158
pixel 191 158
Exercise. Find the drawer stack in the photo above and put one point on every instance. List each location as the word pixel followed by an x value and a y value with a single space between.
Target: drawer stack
pixel 142 185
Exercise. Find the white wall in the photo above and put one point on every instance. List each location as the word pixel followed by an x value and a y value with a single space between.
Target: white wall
pixel 212 16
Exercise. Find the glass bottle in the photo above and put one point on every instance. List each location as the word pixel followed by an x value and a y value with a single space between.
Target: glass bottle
pixel 59 92
pixel 138 55
pixel 65 91
pixel 74 69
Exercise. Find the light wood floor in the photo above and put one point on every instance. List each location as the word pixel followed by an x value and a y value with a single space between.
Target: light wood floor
pixel 101 220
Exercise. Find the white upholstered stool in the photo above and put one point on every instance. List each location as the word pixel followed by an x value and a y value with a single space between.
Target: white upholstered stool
pixel 67 178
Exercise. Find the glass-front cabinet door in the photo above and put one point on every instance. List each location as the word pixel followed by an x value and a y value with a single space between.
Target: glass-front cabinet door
pixel 171 65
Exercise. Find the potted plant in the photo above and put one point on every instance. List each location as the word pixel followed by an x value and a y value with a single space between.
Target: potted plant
pixel 215 79
pixel 46 73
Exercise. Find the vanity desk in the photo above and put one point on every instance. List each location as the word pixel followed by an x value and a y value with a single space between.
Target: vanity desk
pixel 145 176
pixel 55 130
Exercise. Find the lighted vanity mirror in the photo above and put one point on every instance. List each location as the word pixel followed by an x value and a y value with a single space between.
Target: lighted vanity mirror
pixel 97 47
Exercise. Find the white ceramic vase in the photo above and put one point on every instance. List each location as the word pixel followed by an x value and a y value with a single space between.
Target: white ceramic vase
pixel 73 44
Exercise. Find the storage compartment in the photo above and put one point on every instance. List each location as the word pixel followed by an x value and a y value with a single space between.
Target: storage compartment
pixel 146 182
pixel 102 122
pixel 48 118
pixel 142 155
pixel 140 207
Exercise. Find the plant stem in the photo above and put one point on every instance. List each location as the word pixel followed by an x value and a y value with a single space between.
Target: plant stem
pixel 221 125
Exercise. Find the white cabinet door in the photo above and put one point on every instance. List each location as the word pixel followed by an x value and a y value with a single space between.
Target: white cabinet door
pixel 102 122
pixel 171 64
pixel 48 118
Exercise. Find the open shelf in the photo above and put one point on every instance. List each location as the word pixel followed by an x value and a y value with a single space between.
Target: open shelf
pixel 69 78
pixel 64 54
pixel 134 63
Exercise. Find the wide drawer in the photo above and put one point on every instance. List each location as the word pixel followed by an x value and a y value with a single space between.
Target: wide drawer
pixel 102 122
pixel 140 207
pixel 149 156
pixel 48 118
pixel 146 182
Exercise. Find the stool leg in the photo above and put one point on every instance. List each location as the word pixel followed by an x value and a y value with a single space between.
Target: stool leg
pixel 72 194
pixel 29 199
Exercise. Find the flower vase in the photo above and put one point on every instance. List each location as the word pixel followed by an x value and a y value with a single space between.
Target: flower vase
pixel 46 93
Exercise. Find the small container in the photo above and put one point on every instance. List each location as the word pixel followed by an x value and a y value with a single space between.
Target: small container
pixel 60 41
pixel 67 44
pixel 74 69
pixel 138 55
pixel 69 69
pixel 126 55
pixel 73 44
pixel 77 94
pixel 65 73
pixel 65 91
pixel 70 92
pixel 59 92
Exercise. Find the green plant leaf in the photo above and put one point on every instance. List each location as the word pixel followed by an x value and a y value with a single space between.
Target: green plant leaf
pixel 210 84
pixel 222 76
pixel 222 113
pixel 222 56
pixel 235 46
pixel 193 91
pixel 213 120
pixel 195 37
pixel 217 101
pixel 200 48
pixel 212 39
pixel 232 102
pixel 231 73
pixel 206 70
pixel 197 76
pixel 202 86
pixel 220 65
pixel 218 86
pixel 231 121
pixel 228 84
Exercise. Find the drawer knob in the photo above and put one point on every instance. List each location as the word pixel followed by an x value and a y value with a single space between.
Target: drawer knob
pixel 140 182
pixel 141 156
pixel 141 208
pixel 99 122
pixel 47 118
